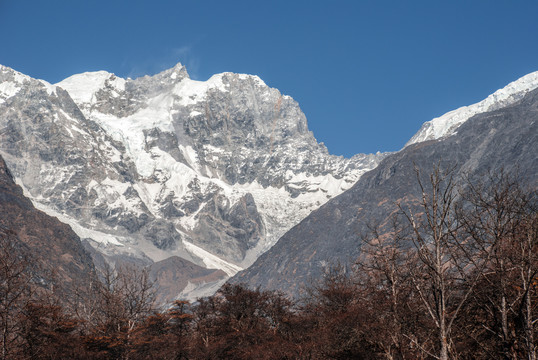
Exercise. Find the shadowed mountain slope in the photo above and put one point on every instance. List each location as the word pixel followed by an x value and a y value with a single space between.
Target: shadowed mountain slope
pixel 506 138
pixel 49 243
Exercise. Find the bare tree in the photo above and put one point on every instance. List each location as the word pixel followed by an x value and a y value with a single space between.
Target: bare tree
pixel 500 218
pixel 383 276
pixel 443 277
pixel 124 299
pixel 15 290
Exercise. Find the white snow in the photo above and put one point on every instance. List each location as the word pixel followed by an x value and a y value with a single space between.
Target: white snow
pixel 213 149
pixel 11 87
pixel 191 92
pixel 85 232
pixel 82 231
pixel 191 156
pixel 448 123
pixel 67 117
pixel 130 130
pixel 8 89
pixel 48 87
pixel 82 87
pixel 254 78
pixel 212 261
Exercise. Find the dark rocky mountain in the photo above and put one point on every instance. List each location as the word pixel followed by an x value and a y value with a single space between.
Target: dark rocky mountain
pixel 506 138
pixel 56 251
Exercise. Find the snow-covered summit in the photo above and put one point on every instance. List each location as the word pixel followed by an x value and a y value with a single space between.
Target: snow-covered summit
pixel 212 171
pixel 448 123
pixel 82 87
pixel 11 82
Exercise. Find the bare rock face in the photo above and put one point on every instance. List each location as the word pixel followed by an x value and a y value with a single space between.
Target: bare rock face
pixel 238 227
pixel 63 262
pixel 211 172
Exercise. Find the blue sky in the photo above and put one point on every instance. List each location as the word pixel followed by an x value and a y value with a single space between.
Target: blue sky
pixel 367 74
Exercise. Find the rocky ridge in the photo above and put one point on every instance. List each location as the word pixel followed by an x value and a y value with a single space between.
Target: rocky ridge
pixel 502 137
pixel 448 123
pixel 213 172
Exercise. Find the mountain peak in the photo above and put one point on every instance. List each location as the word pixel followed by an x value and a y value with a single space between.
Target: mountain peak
pixel 11 81
pixel 448 123
pixel 211 171
pixel 176 73
pixel 82 87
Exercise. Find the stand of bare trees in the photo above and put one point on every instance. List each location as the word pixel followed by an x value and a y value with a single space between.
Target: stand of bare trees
pixel 460 259
pixel 452 275
pixel 15 278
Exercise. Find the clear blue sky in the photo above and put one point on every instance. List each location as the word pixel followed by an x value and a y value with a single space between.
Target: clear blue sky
pixel 367 74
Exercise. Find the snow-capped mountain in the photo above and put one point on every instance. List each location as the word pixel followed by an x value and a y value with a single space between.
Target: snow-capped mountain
pixel 213 172
pixel 503 139
pixel 448 123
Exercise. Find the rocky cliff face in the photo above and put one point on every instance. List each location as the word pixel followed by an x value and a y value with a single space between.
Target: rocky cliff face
pixel 212 172
pixel 505 138
pixel 53 246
